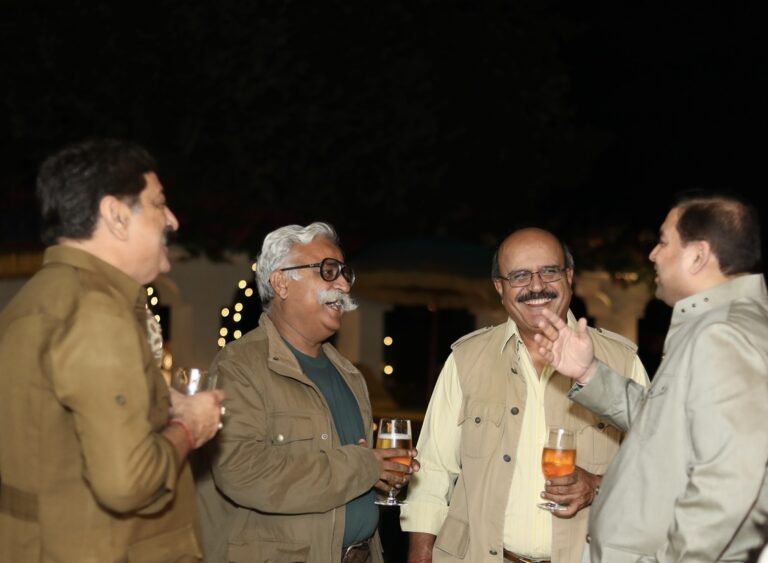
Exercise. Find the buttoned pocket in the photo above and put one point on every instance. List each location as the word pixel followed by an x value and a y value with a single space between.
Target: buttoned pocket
pixel 654 405
pixel 291 429
pixel 596 445
pixel 480 424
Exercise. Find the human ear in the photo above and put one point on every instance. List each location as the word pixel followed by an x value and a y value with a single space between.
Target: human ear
pixel 701 255
pixel 115 215
pixel 279 282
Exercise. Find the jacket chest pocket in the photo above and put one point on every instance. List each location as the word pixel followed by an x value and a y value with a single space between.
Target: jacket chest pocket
pixel 289 429
pixel 480 424
pixel 596 445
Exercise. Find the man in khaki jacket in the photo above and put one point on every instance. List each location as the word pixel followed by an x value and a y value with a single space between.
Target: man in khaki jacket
pixel 92 468
pixel 291 477
pixel 475 498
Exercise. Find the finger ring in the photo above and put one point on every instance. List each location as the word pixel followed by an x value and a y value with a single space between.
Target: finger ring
pixel 223 410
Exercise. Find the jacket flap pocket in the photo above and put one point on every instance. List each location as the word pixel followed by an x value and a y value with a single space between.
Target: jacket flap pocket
pixel 478 411
pixel 453 537
pixel 168 546
pixel 287 428
pixel 260 550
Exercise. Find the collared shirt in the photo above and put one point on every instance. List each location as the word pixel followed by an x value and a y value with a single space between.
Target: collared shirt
pixel 527 528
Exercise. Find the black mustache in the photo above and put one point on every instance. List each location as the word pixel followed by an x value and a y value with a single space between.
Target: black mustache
pixel 531 295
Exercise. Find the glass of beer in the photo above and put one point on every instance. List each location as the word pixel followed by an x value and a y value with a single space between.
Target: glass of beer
pixel 394 433
pixel 558 458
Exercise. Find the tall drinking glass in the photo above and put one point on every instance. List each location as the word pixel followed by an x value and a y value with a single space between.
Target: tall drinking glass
pixel 394 433
pixel 558 458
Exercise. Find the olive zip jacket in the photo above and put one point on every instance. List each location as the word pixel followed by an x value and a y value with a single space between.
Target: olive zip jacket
pixel 278 479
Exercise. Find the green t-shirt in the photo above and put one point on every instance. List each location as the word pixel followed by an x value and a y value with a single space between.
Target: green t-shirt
pixel 362 514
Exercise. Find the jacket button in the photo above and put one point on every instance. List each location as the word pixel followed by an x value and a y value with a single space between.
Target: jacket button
pixel 280 438
pixel 493 552
pixel 589 538
pixel 514 371
pixel 120 400
pixel 324 436
pixel 600 425
pixel 514 410
pixel 477 419
pixel 507 458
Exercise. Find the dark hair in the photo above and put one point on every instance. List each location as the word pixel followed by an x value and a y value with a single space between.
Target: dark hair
pixel 72 182
pixel 730 226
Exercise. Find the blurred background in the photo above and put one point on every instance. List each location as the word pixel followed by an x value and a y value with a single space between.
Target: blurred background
pixel 423 131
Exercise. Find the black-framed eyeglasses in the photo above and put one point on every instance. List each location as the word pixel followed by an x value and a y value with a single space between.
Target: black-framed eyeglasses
pixel 547 274
pixel 330 270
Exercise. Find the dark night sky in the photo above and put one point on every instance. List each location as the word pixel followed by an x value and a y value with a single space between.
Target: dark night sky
pixel 369 115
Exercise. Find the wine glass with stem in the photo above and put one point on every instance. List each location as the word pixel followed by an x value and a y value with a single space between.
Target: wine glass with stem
pixel 558 458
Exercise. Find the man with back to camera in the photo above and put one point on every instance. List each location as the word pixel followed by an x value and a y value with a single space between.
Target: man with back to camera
pixel 689 483
pixel 291 479
pixel 91 462
pixel 475 498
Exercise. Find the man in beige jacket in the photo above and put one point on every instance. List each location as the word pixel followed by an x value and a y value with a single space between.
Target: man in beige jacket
pixel 475 498
pixel 92 466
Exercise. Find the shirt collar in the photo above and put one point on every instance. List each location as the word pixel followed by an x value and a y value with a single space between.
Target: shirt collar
pixel 512 333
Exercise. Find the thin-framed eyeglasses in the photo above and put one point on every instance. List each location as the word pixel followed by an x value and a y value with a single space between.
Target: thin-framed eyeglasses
pixel 330 270
pixel 547 274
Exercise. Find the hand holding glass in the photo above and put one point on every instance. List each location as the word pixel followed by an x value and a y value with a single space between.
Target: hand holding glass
pixel 394 433
pixel 189 381
pixel 558 459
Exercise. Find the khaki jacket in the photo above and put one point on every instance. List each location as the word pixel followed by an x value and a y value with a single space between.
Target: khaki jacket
pixel 490 419
pixel 86 475
pixel 279 478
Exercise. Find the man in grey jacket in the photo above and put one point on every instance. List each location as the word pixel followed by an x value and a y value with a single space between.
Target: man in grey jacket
pixel 689 482
pixel 292 478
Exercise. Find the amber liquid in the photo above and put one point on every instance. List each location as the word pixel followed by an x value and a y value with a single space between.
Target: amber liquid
pixel 557 463
pixel 396 441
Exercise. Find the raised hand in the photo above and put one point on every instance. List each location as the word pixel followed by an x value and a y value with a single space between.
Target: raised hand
pixel 569 351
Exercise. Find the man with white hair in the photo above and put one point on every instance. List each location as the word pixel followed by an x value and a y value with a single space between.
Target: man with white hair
pixel 292 477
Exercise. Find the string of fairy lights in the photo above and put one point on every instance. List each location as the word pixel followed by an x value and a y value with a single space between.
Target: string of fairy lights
pixel 232 318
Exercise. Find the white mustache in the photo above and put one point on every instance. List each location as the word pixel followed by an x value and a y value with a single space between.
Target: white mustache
pixel 346 303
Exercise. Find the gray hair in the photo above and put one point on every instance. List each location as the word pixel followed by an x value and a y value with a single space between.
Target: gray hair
pixel 277 248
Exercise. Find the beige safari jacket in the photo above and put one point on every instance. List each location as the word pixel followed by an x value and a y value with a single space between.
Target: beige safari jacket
pixel 85 475
pixel 279 478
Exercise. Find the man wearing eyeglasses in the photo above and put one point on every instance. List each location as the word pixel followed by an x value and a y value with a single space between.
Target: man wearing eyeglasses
pixel 475 498
pixel 292 477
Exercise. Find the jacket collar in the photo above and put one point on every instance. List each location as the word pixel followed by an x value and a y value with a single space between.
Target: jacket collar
pixel 126 286
pixel 750 286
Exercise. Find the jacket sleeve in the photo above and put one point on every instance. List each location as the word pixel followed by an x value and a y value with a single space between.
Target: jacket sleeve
pixel 612 396
pixel 282 474
pixel 726 406
pixel 97 372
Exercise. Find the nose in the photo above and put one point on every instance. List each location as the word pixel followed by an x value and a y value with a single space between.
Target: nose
pixel 171 220
pixel 652 255
pixel 536 282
